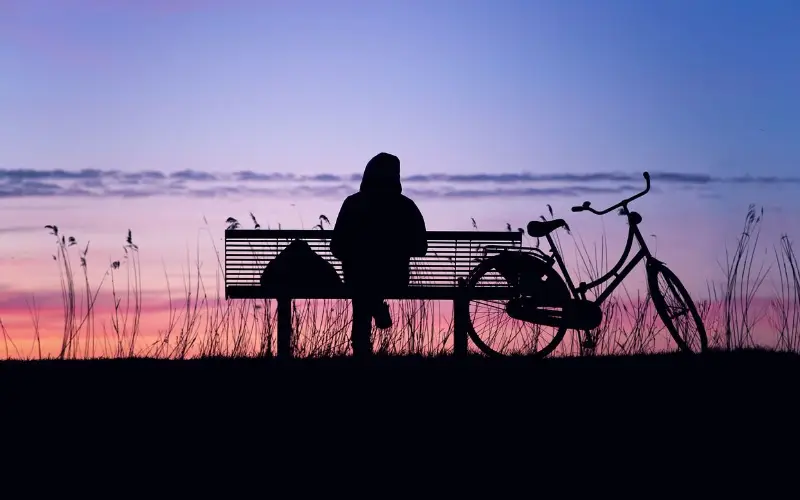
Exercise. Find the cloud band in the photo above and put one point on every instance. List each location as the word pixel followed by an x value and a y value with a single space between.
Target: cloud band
pixel 22 183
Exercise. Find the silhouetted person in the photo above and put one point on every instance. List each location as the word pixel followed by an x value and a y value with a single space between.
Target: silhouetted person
pixel 376 233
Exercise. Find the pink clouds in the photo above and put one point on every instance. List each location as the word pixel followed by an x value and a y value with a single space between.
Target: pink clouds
pixel 50 303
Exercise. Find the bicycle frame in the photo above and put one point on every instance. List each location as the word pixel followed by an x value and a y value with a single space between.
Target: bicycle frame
pixel 644 253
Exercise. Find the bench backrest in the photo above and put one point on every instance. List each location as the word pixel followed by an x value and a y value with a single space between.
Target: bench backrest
pixel 451 254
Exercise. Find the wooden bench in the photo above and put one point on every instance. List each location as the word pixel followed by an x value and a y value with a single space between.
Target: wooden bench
pixel 439 275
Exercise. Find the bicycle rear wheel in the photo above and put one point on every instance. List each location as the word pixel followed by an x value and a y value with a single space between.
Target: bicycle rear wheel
pixel 671 301
pixel 491 329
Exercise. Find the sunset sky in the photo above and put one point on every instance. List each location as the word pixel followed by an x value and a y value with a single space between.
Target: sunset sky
pixel 151 115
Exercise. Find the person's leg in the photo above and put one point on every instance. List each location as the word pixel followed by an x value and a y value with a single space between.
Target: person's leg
pixel 393 281
pixel 361 340
pixel 381 313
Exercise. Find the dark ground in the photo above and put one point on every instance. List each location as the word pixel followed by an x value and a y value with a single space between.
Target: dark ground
pixel 418 385
pixel 716 410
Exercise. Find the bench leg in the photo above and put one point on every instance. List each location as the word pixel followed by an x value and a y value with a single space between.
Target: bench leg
pixel 460 319
pixel 284 328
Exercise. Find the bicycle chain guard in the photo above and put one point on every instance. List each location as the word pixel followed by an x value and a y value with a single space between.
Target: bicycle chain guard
pixel 573 314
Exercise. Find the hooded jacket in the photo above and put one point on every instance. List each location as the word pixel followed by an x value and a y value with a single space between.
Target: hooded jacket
pixel 379 229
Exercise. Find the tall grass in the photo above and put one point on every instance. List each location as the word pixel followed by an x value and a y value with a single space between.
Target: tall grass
pixel 740 316
pixel 201 322
pixel 785 306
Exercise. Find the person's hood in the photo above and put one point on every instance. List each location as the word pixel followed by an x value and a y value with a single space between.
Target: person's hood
pixel 382 175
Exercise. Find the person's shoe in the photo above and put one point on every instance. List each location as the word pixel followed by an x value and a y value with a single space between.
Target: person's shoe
pixel 383 319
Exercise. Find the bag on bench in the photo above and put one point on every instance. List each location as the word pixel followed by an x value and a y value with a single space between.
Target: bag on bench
pixel 298 268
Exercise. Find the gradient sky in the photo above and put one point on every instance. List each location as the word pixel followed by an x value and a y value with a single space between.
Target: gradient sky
pixel 151 115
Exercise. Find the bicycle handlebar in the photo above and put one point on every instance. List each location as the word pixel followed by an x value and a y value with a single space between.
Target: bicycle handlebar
pixel 587 205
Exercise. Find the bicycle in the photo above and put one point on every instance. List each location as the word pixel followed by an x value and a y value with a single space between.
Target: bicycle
pixel 539 297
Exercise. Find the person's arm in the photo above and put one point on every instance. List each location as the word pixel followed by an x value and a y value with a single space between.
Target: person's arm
pixel 340 241
pixel 419 234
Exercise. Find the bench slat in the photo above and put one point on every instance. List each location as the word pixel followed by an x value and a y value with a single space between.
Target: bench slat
pixel 311 234
pixel 451 255
pixel 412 292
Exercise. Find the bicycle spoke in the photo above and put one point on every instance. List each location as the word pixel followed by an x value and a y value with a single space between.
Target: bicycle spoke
pixel 498 330
pixel 678 313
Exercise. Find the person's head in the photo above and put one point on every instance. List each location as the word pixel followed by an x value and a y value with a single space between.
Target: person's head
pixel 382 175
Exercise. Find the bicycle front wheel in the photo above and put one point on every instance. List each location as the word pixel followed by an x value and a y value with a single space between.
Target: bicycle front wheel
pixel 676 308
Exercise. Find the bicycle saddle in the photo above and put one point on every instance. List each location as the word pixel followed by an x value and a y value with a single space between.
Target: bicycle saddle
pixel 540 229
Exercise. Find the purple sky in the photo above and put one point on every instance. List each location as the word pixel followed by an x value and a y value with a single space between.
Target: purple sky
pixel 494 108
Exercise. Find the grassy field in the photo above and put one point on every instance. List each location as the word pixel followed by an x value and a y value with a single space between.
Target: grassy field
pixel 717 388
pixel 627 418
pixel 579 376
